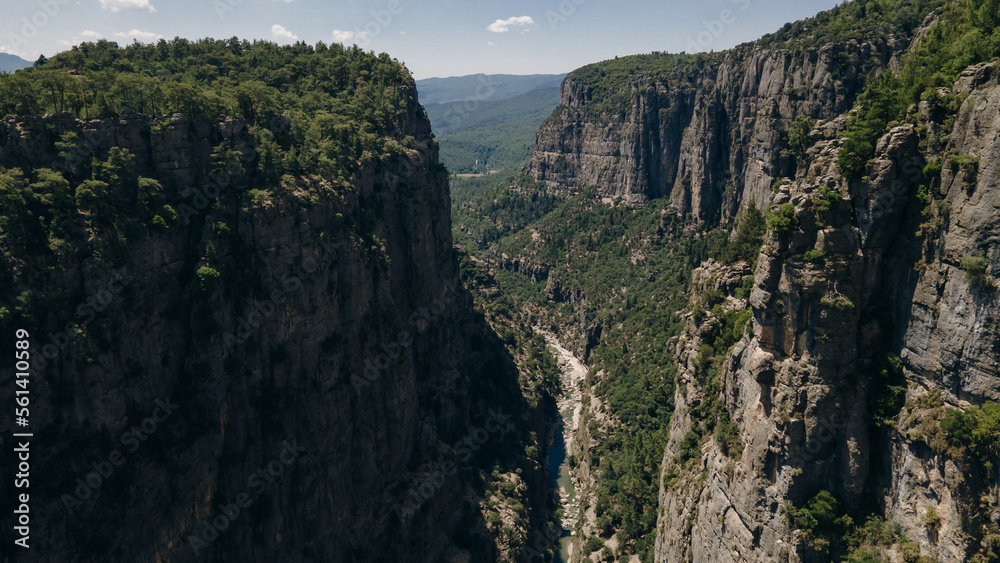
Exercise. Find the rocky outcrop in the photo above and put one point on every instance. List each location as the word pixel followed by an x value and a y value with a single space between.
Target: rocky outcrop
pixel 846 286
pixel 708 135
pixel 327 398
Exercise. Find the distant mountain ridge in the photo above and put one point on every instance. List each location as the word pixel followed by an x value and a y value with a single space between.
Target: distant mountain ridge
pixel 10 63
pixel 480 136
pixel 483 87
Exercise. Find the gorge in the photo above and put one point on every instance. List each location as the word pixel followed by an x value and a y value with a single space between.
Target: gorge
pixel 735 306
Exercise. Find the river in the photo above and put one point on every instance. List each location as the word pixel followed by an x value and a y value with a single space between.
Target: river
pixel 571 372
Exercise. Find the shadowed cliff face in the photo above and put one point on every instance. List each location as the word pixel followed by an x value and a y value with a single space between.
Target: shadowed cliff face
pixel 271 376
pixel 707 136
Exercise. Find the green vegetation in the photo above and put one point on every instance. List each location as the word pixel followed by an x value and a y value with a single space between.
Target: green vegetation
pixel 603 82
pixel 780 220
pixel 819 520
pixel 205 280
pixel 969 166
pixel 828 199
pixel 975 271
pixel 814 257
pixel 887 390
pixel 798 134
pixel 869 543
pixel 861 20
pixel 749 238
pixel 490 207
pixel 976 430
pixel 322 109
pixel 966 33
pixel 491 135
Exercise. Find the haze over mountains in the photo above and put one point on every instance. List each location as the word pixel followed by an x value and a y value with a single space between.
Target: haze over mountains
pixel 482 87
pixel 10 63
pixel 734 306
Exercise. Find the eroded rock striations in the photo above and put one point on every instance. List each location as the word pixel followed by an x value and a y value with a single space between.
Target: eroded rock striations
pixel 705 135
pixel 318 384
pixel 846 284
pixel 867 320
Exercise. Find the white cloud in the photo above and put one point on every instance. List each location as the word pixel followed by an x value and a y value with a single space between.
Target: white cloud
pixel 140 35
pixel 10 51
pixel 491 44
pixel 127 5
pixel 89 34
pixel 279 32
pixel 342 36
pixel 503 26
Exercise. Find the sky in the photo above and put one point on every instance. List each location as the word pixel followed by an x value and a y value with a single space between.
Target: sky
pixel 432 37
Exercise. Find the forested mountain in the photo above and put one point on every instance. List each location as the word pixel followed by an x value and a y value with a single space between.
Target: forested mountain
pixel 483 87
pixel 742 304
pixel 477 137
pixel 10 63
pixel 765 255
pixel 248 336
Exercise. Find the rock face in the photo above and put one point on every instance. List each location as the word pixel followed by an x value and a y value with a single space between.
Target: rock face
pixel 300 408
pixel 707 136
pixel 865 328
pixel 803 387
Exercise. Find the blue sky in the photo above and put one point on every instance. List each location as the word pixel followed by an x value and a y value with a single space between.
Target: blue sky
pixel 433 37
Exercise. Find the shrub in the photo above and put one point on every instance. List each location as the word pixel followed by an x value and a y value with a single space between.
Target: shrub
pixel 593 544
pixel 778 184
pixel 975 271
pixel 818 520
pixel 976 429
pixel 749 238
pixel 814 257
pixel 931 517
pixel 159 224
pixel 969 165
pixel 205 280
pixel 828 199
pixel 690 447
pixel 838 302
pixel 798 134
pixel 781 219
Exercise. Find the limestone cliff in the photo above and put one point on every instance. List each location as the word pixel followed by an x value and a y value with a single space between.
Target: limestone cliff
pixel 707 134
pixel 803 387
pixel 872 299
pixel 303 366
